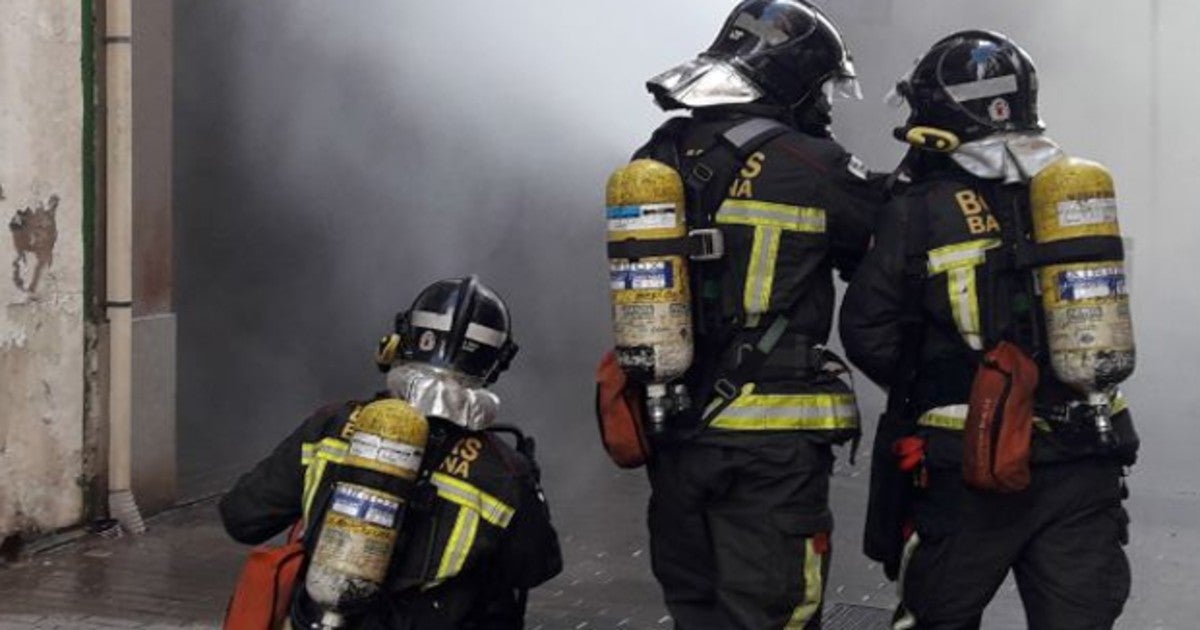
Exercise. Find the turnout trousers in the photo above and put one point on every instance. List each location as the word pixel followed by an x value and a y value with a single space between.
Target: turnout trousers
pixel 739 529
pixel 1062 537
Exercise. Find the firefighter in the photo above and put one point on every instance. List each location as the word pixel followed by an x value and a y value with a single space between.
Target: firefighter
pixel 941 285
pixel 476 534
pixel 739 516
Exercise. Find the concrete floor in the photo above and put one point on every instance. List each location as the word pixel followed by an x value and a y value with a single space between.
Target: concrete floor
pixel 179 574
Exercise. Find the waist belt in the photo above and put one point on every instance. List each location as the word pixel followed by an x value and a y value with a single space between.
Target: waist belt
pixel 954 417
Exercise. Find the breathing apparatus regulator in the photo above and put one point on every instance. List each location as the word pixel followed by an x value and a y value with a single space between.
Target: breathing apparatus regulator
pixel 973 97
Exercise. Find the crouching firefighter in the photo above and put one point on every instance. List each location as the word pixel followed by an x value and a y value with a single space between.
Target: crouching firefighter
pixel 469 530
pixel 993 307
pixel 723 236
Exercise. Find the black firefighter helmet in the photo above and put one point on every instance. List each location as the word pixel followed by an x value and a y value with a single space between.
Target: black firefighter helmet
pixel 459 325
pixel 782 53
pixel 972 84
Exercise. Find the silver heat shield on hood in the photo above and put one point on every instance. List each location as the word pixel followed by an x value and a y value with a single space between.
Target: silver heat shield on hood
pixel 1011 157
pixel 440 393
pixel 703 82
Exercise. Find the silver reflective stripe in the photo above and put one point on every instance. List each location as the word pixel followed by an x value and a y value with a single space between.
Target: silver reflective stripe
pixel 487 336
pixel 983 89
pixel 905 620
pixel 742 134
pixel 431 320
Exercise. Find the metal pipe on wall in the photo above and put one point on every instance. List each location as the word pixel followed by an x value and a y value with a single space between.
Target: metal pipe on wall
pixel 118 57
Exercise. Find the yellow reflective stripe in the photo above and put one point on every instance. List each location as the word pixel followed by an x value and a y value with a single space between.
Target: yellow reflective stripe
pixel 964 304
pixel 760 277
pixel 462 538
pixel 954 418
pixel 776 215
pixel 770 220
pixel 1119 403
pixel 312 481
pixel 773 412
pixel 315 458
pixel 490 508
pixel 958 255
pixel 813 589
pixel 958 262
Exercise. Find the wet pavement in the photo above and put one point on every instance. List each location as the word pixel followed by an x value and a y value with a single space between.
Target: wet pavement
pixel 179 574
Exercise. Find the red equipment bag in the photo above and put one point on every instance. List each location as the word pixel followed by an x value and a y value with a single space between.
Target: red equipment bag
pixel 998 436
pixel 619 412
pixel 263 595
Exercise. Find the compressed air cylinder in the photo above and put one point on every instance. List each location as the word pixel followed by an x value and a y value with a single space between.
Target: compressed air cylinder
pixel 652 312
pixel 354 549
pixel 1086 305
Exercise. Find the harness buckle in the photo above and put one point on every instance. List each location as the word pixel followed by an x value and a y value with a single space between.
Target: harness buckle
pixel 707 244
pixel 725 389
pixel 702 172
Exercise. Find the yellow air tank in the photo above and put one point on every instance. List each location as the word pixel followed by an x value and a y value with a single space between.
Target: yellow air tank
pixel 1086 304
pixel 652 311
pixel 354 548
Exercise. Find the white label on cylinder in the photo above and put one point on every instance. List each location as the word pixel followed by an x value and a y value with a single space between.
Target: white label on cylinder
pixel 641 276
pixel 649 216
pixel 1077 212
pixel 362 504
pixel 387 452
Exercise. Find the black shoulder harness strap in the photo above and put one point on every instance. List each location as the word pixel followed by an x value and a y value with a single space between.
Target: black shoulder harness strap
pixel 705 182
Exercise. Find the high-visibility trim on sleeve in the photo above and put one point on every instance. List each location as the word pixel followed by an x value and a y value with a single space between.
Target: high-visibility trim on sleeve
pixel 488 507
pixel 768 214
pixel 775 412
pixel 813 589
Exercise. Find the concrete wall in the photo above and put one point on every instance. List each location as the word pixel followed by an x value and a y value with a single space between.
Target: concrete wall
pixel 41 287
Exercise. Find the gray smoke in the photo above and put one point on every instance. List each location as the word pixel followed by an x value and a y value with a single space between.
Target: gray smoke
pixel 333 158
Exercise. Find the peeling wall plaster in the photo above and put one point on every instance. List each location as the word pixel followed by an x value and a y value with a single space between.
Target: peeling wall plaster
pixel 41 291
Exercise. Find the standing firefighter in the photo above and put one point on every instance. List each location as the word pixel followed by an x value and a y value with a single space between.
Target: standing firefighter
pixel 739 517
pixel 993 307
pixel 474 531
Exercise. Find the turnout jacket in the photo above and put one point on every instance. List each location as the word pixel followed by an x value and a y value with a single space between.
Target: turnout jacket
pixel 942 238
pixel 798 208
pixel 473 539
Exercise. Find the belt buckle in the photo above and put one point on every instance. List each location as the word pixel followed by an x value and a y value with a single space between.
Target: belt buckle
pixel 712 244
